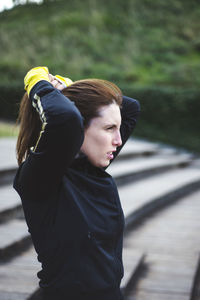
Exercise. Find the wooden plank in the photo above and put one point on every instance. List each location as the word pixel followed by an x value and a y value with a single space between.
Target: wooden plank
pixel 13 296
pixel 8 198
pixel 19 275
pixel 151 295
pixel 7 157
pixel 135 196
pixel 154 163
pixel 171 241
pixel 12 232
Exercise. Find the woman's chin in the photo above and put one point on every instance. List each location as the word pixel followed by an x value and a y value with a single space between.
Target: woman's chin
pixel 104 164
pixel 101 164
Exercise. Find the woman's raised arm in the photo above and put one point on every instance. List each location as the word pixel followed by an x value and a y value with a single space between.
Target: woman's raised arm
pixel 59 141
pixel 130 111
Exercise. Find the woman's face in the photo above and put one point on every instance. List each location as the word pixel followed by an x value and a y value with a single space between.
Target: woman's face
pixel 102 137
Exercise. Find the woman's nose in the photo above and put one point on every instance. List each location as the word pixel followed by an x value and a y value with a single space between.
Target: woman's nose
pixel 117 139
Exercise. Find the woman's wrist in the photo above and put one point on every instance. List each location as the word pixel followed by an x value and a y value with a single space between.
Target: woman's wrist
pixel 34 76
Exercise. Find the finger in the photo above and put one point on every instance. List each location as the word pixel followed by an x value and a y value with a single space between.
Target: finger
pixel 60 87
pixel 51 77
pixel 54 82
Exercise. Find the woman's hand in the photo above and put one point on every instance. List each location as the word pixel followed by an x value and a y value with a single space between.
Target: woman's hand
pixel 56 82
pixel 59 82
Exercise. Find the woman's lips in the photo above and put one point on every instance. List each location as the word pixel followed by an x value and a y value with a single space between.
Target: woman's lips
pixel 110 155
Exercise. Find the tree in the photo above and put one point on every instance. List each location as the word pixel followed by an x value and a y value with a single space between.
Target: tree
pixel 17 2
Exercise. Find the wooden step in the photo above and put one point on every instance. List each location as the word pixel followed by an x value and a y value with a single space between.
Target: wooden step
pixel 7 157
pixel 14 237
pixel 7 175
pixel 10 204
pixel 141 198
pixel 18 277
pixel 8 161
pixel 136 147
pixel 171 242
pixel 133 261
pixel 128 170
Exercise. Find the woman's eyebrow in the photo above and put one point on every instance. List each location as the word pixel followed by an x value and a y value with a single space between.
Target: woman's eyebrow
pixel 112 124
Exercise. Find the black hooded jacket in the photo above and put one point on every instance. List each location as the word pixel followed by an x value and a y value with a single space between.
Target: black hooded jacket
pixel 71 207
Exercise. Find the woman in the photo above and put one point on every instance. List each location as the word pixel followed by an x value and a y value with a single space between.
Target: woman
pixel 70 202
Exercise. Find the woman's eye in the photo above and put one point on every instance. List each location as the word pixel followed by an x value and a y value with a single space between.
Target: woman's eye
pixel 110 128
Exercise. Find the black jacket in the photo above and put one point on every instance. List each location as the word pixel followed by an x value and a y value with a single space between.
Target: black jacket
pixel 72 208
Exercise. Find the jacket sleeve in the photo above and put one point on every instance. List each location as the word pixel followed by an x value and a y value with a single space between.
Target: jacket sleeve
pixel 129 113
pixel 60 140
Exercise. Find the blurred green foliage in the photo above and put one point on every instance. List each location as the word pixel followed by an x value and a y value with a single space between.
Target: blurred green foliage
pixel 169 115
pixel 140 42
pixel 151 49
pixel 10 97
